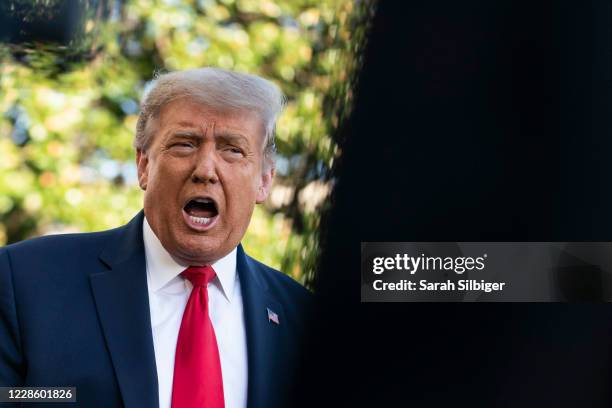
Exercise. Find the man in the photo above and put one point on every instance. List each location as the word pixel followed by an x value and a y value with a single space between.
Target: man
pixel 167 310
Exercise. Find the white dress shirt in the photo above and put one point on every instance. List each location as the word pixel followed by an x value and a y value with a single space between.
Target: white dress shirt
pixel 168 295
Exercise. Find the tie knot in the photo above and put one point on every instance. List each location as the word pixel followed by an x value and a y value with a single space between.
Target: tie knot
pixel 199 275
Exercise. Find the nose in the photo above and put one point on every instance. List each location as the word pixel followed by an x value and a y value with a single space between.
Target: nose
pixel 205 170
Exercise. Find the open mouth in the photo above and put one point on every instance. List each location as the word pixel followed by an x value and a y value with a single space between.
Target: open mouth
pixel 201 211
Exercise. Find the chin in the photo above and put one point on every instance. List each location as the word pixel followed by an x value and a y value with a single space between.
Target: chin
pixel 200 252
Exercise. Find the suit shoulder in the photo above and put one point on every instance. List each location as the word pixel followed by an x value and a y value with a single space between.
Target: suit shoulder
pixel 54 246
pixel 65 259
pixel 283 283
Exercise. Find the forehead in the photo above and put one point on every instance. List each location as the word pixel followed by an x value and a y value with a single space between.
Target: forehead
pixel 185 113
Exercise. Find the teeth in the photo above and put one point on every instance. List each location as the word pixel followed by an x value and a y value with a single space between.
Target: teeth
pixel 200 220
pixel 202 200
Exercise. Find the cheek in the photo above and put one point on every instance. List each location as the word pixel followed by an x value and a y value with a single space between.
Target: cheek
pixel 241 193
pixel 169 174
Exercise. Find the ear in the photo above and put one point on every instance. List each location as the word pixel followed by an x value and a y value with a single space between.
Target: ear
pixel 142 162
pixel 265 184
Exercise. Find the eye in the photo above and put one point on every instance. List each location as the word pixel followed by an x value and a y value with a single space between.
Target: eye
pixel 233 150
pixel 182 145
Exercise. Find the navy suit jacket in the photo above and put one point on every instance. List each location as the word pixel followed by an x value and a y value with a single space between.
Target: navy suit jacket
pixel 74 311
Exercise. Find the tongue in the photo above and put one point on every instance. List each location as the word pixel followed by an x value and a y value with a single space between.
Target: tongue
pixel 201 210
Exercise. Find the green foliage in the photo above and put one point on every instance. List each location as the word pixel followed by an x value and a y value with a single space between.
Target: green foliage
pixel 66 159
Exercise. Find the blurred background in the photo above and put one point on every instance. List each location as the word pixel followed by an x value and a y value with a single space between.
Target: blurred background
pixel 72 73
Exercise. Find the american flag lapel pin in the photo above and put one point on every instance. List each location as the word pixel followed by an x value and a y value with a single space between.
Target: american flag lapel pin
pixel 272 317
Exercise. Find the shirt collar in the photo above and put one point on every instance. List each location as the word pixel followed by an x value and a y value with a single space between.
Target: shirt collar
pixel 162 267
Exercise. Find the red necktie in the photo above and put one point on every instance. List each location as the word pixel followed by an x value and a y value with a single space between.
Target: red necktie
pixel 197 368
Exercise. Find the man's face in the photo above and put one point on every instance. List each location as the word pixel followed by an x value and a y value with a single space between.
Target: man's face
pixel 202 175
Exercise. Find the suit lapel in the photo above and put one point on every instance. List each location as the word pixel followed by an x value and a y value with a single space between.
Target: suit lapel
pixel 122 303
pixel 264 336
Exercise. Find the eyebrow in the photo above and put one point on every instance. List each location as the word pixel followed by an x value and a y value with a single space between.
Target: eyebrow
pixel 225 135
pixel 185 133
pixel 184 129
pixel 230 136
